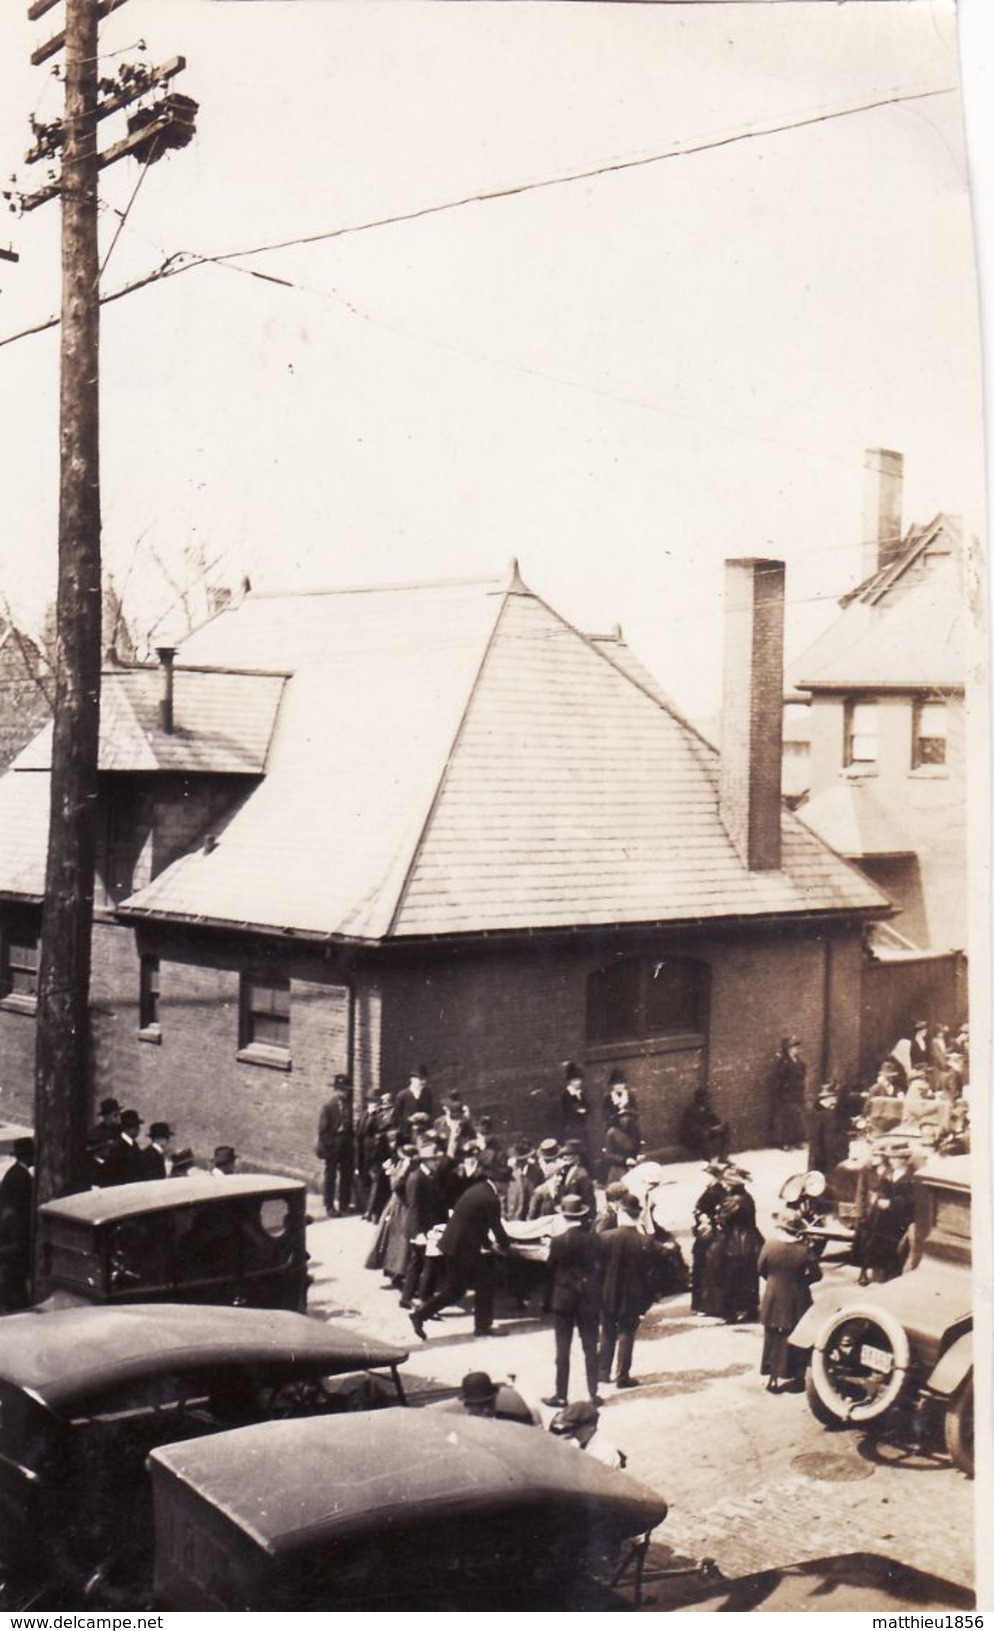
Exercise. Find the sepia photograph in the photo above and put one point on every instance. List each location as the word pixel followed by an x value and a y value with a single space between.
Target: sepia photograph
pixel 495 888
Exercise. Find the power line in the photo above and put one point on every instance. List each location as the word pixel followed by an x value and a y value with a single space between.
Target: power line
pixel 186 261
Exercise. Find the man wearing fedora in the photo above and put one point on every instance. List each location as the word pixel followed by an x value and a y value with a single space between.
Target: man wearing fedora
pixel 413 1099
pixel 336 1147
pixel 124 1162
pixel 480 1396
pixel 574 1295
pixel 157 1149
pixel 627 1287
pixel 475 1220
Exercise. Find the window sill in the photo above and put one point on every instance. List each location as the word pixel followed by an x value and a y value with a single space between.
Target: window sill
pixel 151 1033
pixel 258 1053
pixel 929 773
pixel 16 1003
pixel 860 771
pixel 644 1048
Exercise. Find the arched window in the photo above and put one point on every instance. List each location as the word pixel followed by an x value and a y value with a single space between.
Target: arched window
pixel 639 999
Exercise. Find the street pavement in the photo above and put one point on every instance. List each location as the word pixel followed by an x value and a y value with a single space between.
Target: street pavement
pixel 751 1479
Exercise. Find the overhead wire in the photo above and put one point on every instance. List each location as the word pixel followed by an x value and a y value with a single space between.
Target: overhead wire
pixel 187 260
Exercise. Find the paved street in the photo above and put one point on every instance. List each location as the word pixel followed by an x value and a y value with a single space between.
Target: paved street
pixel 752 1480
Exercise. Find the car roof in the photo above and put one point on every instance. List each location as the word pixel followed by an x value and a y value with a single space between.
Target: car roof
pixel 98 1206
pixel 293 1484
pixel 64 1354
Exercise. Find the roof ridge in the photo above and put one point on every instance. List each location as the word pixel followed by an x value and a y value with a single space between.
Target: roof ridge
pixel 660 697
pixel 436 796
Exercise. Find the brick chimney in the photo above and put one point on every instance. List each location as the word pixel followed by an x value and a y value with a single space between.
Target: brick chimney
pixel 166 656
pixel 752 711
pixel 883 479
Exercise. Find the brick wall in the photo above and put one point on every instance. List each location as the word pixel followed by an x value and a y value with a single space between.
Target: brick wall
pixel 496 1024
pixel 192 1077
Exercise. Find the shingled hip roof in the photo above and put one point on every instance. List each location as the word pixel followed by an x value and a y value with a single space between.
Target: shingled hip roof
pixel 457 759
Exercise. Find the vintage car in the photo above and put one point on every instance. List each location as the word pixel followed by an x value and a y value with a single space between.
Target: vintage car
pixel 86 1393
pixel 236 1240
pixel 405 1510
pixel 907 1343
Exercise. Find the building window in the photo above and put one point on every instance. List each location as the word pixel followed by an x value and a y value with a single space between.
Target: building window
pixel 638 999
pixel 19 970
pixel 929 734
pixel 861 735
pixel 265 1020
pixel 148 999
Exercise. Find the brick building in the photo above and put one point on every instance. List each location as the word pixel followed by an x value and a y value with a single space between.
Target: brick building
pixel 882 691
pixel 352 830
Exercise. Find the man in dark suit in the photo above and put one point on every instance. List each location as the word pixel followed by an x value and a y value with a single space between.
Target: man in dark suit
pixel 627 1288
pixel 574 1110
pixel 574 1295
pixel 16 1198
pixel 124 1162
pixel 425 1209
pixel 154 1154
pixel 336 1147
pixel 475 1220
pixel 414 1098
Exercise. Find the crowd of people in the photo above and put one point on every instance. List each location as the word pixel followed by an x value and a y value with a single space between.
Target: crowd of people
pixel 447 1195
pixel 115 1153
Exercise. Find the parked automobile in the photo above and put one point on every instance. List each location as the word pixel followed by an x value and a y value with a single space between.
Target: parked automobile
pixel 908 1343
pixel 86 1393
pixel 238 1240
pixel 405 1510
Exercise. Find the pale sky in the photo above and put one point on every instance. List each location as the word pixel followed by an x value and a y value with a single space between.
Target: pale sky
pixel 619 380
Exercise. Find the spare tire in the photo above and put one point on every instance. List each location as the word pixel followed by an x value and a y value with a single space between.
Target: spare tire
pixel 859 1364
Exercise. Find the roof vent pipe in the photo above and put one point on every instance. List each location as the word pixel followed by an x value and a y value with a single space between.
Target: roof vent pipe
pixel 166 656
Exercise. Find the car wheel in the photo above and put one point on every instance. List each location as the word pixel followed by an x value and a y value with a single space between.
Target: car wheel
pixel 821 1413
pixel 859 1364
pixel 959 1427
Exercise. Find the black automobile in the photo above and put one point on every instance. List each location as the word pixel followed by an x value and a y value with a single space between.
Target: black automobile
pixel 237 1240
pixel 405 1510
pixel 87 1393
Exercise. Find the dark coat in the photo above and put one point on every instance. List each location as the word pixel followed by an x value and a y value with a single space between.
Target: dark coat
pixel 789 1270
pixel 423 1201
pixel 16 1194
pixel 622 1143
pixel 574 1269
pixel 627 1268
pixel 406 1106
pixel 574 1117
pixel 335 1128
pixel 475 1216
pixel 124 1164
pixel 154 1162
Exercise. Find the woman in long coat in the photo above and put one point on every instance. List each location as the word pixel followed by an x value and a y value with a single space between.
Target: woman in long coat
pixel 707 1253
pixel 741 1242
pixel 789 1269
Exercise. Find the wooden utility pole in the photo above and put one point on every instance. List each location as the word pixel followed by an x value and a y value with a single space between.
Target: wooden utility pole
pixel 63 1040
pixel 62 1053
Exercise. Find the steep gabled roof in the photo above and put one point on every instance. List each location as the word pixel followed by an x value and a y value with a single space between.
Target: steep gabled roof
pixel 223 723
pixel 457 759
pixel 903 628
